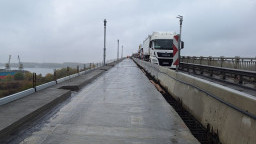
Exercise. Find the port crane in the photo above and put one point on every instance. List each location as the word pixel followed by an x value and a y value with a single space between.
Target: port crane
pixel 8 65
pixel 20 64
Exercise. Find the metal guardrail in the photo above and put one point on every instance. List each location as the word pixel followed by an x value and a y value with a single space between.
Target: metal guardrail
pixel 240 76
pixel 227 62
pixel 27 92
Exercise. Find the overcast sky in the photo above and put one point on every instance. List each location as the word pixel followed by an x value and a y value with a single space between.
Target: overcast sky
pixel 72 30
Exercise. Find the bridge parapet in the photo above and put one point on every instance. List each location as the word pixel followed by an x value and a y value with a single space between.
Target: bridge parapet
pixel 229 113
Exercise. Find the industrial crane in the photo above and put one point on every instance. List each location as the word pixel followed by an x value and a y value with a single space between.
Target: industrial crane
pixel 20 64
pixel 8 65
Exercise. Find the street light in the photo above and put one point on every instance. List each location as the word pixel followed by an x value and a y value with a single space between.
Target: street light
pixel 104 49
pixel 122 51
pixel 117 49
pixel 181 20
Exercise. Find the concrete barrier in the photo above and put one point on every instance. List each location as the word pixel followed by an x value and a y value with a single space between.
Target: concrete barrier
pixel 46 85
pixel 82 72
pixel 74 75
pixel 62 79
pixel 16 96
pixel 229 113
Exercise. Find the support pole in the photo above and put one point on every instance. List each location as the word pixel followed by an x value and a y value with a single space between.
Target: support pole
pixel 34 81
pixel 55 75
pixel 181 20
pixel 104 54
pixel 118 49
pixel 122 51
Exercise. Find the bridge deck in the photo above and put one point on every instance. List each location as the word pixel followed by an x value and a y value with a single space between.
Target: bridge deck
pixel 121 106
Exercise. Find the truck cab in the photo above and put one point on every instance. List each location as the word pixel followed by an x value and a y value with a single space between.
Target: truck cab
pixel 160 48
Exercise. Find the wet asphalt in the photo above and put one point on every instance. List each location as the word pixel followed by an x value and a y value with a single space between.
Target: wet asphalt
pixel 119 107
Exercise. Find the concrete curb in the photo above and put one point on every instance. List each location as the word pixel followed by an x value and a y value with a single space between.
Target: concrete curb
pixel 16 96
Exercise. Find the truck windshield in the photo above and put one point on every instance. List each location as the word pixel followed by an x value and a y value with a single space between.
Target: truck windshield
pixel 163 44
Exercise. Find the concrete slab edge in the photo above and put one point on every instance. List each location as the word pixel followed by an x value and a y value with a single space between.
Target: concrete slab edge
pixel 11 128
pixel 90 80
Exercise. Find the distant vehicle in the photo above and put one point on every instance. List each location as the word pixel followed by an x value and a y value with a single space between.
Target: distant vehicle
pixel 158 48
pixel 140 52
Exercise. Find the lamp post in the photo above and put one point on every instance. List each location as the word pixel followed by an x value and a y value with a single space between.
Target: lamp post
pixel 181 20
pixel 117 49
pixel 104 49
pixel 122 51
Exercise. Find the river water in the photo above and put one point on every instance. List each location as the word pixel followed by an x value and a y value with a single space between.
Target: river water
pixel 42 71
pixel 38 71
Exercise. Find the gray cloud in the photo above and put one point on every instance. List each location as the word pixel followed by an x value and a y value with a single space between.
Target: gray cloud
pixel 64 30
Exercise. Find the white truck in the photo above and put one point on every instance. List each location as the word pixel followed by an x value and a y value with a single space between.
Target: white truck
pixel 140 52
pixel 158 48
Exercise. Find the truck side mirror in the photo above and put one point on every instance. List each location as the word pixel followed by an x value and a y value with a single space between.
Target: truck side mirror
pixel 182 44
